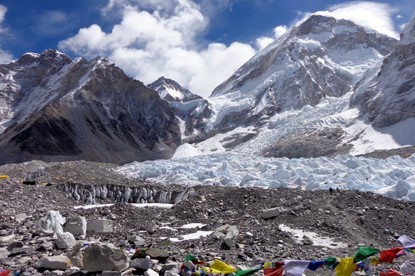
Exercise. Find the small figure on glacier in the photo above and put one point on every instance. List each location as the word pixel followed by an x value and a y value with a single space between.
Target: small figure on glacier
pixel 331 190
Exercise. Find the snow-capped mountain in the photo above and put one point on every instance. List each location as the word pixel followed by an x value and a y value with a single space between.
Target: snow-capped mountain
pixel 321 57
pixel 293 98
pixel 171 91
pixel 53 108
pixel 387 93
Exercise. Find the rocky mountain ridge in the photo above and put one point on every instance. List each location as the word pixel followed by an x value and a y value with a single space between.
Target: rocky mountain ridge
pixel 171 91
pixel 55 109
pixel 58 109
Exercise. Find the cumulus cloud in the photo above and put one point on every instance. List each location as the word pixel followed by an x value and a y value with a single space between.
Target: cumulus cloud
pixel 158 37
pixel 377 16
pixel 5 56
pixel 264 41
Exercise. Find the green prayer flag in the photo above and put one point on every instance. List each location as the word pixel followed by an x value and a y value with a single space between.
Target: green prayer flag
pixel 190 258
pixel 364 252
pixel 246 272
pixel 331 261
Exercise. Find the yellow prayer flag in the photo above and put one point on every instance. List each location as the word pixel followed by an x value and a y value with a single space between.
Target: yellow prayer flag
pixel 267 265
pixel 345 267
pixel 219 267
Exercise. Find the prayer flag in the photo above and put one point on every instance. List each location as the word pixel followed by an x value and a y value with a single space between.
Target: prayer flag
pixel 407 241
pixel 219 267
pixel 193 259
pixel 274 271
pixel 364 252
pixel 391 272
pixel 247 272
pixel 295 267
pixel 331 262
pixel 345 267
pixel 389 255
pixel 7 272
pixel 313 265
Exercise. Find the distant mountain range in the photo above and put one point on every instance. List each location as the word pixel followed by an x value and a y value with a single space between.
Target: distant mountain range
pixel 320 89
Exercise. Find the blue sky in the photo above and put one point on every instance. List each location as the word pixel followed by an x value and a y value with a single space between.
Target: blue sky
pixel 199 43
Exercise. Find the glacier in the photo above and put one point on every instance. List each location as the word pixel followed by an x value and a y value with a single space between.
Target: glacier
pixel 209 163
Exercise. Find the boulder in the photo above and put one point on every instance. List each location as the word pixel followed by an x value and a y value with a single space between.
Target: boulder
pixel 231 236
pixel 272 213
pixel 65 241
pixel 6 240
pixel 222 229
pixel 76 226
pixel 142 264
pixel 100 257
pixel 55 263
pixel 76 255
pixel 14 245
pixel 172 267
pixel 100 226
pixel 158 254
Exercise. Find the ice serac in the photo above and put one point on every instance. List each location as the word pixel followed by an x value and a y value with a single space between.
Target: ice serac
pixel 321 57
pixel 387 95
pixel 56 109
pixel 171 91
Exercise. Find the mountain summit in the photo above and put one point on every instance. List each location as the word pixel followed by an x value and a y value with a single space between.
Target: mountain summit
pixel 56 109
pixel 171 91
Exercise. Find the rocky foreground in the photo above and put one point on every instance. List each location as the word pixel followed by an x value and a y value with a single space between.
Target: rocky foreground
pixel 241 226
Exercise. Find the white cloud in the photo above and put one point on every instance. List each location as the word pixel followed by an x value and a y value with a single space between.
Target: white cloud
pixel 280 30
pixel 158 37
pixel 263 42
pixel 377 16
pixel 3 10
pixel 5 56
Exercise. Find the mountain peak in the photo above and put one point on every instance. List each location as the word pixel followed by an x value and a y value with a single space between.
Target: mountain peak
pixel 172 91
pixel 46 56
pixel 408 33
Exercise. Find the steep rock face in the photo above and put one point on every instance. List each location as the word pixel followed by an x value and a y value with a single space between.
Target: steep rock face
pixel 171 91
pixel 81 110
pixel 387 95
pixel 321 57
pixel 191 110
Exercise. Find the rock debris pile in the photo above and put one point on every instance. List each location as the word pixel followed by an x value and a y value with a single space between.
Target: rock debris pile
pixel 42 233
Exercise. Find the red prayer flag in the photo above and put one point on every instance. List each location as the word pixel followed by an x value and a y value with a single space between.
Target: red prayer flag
pixel 274 271
pixel 391 272
pixel 389 255
pixel 7 272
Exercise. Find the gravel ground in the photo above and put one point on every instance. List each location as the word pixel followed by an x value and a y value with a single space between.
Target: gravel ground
pixel 348 217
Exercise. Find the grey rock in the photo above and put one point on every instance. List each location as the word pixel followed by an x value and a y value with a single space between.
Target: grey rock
pixel 100 226
pixel 272 213
pixel 231 236
pixel 20 251
pixel 100 257
pixel 6 240
pixel 65 241
pixel 142 264
pixel 55 262
pixel 76 226
pixel 158 254
pixel 13 245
